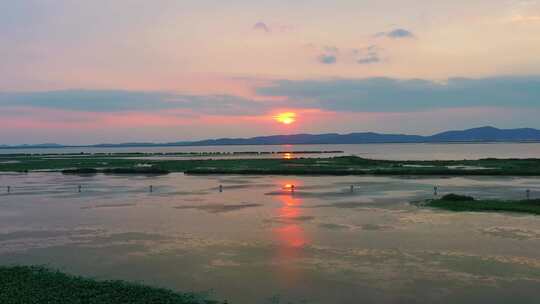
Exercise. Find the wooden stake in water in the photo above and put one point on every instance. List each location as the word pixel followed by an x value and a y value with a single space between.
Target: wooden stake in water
pixel 8 189
pixel 220 188
pixel 435 191
pixel 80 188
pixel 151 188
pixel 292 188
pixel 528 194
pixel 352 188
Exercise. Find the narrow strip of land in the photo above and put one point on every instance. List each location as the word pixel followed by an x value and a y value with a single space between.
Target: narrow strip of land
pixel 461 203
pixel 343 165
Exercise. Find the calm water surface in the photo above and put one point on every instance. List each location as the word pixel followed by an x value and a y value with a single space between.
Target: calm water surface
pixel 377 151
pixel 256 242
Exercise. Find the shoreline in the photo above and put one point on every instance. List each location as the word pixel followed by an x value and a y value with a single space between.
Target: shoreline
pixel 120 146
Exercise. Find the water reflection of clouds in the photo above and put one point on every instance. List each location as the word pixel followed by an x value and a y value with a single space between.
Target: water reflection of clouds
pixel 442 267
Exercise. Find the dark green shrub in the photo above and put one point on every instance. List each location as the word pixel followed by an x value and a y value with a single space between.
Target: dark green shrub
pixel 457 198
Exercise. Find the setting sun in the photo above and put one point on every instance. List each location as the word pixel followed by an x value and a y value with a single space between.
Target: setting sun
pixel 285 118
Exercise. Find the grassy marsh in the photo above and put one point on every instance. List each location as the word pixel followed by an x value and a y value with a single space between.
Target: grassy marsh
pixel 343 165
pixel 460 203
pixel 32 284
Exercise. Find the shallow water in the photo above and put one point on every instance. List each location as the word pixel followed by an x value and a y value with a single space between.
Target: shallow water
pixel 257 242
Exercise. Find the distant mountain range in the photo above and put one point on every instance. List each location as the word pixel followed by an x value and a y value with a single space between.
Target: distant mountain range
pixel 476 135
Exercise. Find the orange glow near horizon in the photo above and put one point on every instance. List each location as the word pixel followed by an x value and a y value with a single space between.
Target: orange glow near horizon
pixel 286 118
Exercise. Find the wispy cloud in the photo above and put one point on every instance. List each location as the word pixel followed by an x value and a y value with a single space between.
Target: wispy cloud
pixel 398 33
pixel 524 18
pixel 525 11
pixel 327 59
pixel 369 59
pixel 262 27
pixel 368 55
pixel 331 49
pixel 332 54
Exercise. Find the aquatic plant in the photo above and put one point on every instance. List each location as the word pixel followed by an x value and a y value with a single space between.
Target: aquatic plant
pixel 457 198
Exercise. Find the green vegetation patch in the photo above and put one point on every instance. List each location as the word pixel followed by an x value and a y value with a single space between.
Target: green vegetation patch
pixel 454 202
pixel 117 171
pixel 343 165
pixel 80 171
pixel 30 284
pixel 145 171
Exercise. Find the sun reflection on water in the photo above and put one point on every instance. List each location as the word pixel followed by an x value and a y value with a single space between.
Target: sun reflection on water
pixel 290 236
pixel 288 155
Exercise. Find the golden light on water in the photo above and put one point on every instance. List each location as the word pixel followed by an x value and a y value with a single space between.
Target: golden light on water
pixel 288 186
pixel 286 118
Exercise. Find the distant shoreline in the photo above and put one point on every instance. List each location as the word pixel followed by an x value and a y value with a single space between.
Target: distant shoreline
pixel 281 144
pixel 470 136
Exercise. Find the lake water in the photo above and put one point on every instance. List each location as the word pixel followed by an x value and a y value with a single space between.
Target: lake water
pixel 257 242
pixel 377 151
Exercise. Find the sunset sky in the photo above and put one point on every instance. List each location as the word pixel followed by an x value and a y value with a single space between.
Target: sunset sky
pixel 82 72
